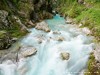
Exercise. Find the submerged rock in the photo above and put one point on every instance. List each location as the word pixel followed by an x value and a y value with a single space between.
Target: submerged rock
pixel 56 32
pixel 28 51
pixel 43 26
pixel 60 38
pixel 65 55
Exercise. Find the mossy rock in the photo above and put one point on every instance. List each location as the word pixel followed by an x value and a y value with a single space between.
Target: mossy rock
pixel 92 69
pixel 2 34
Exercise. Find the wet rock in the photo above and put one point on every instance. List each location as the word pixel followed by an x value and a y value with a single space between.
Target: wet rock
pixel 39 41
pixel 43 26
pixel 60 38
pixel 28 51
pixel 56 32
pixel 46 15
pixel 65 55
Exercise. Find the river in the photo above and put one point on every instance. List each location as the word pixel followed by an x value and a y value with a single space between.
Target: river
pixel 47 60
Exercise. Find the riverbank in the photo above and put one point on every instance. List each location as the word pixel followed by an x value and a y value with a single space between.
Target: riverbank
pixel 17 16
pixel 86 15
pixel 60 51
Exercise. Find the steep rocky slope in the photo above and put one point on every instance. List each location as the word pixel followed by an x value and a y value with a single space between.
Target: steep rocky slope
pixel 17 15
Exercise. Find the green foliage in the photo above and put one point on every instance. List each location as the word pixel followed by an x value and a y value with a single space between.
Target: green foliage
pixel 88 14
pixel 92 66
pixel 91 19
pixel 92 1
pixel 76 10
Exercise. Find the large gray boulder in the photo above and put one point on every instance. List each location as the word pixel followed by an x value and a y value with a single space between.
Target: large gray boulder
pixel 27 51
pixel 43 26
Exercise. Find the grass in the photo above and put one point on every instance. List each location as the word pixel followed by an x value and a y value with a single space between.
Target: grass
pixel 88 14
pixel 93 69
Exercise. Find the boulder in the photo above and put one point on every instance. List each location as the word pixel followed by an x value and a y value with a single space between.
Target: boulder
pixel 43 26
pixel 65 55
pixel 56 32
pixel 86 30
pixel 14 39
pixel 31 24
pixel 28 51
pixel 69 20
pixel 60 38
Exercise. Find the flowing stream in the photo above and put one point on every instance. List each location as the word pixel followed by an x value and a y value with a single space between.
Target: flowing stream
pixel 47 60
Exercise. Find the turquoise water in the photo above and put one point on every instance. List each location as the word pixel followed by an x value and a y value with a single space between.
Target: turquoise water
pixel 48 61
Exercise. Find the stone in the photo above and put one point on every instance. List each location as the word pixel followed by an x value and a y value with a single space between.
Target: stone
pixel 80 24
pixel 69 21
pixel 30 24
pixel 65 55
pixel 56 32
pixel 60 38
pixel 86 30
pixel 28 51
pixel 14 39
pixel 43 26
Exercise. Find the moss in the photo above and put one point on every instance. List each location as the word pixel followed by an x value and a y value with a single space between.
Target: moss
pixel 92 66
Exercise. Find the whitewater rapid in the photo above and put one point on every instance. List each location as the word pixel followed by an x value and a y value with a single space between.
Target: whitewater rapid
pixel 47 60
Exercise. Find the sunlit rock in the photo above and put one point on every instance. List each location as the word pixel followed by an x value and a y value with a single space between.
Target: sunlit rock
pixel 86 30
pixel 31 24
pixel 14 39
pixel 60 38
pixel 43 26
pixel 65 55
pixel 80 24
pixel 28 51
pixel 69 21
